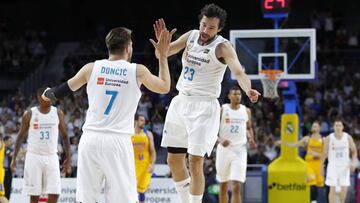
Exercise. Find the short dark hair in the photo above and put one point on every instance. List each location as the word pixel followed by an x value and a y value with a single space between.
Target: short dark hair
pixel 40 91
pixel 138 115
pixel 117 39
pixel 214 11
pixel 338 119
pixel 316 121
pixel 235 87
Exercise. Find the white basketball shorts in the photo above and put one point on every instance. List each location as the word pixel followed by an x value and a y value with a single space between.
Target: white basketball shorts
pixel 41 174
pixel 231 163
pixel 192 122
pixel 337 175
pixel 106 160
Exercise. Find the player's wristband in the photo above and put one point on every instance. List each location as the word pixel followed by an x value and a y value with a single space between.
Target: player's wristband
pixel 58 92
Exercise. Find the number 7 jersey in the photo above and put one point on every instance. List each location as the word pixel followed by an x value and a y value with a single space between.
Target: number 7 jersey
pixel 113 95
pixel 202 72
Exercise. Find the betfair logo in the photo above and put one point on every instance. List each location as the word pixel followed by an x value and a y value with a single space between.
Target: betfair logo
pixel 287 187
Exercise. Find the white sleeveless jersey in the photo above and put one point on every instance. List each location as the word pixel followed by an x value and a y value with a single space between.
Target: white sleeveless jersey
pixel 202 72
pixel 339 152
pixel 233 124
pixel 43 132
pixel 113 94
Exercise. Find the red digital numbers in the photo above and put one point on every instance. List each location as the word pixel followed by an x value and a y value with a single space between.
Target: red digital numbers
pixel 269 4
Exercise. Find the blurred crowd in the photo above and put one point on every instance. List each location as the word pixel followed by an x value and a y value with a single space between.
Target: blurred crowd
pixel 20 52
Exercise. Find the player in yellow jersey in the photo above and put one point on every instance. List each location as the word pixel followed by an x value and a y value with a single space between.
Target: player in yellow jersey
pixel 2 172
pixel 315 146
pixel 145 156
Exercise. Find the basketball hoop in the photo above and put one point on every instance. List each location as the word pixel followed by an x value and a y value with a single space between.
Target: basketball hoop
pixel 270 80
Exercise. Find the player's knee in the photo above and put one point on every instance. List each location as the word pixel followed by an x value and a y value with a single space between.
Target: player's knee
pixel 236 186
pixel 224 186
pixel 196 164
pixel 173 162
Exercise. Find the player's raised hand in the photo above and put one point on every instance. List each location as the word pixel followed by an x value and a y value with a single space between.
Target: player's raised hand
pixel 159 26
pixel 253 95
pixel 163 45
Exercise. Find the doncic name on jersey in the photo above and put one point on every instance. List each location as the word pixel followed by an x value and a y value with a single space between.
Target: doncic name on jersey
pixel 103 80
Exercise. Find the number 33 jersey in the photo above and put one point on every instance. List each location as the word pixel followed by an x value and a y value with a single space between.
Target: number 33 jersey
pixel 202 72
pixel 113 95
pixel 43 132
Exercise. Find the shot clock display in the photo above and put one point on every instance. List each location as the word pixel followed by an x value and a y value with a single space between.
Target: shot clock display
pixel 275 6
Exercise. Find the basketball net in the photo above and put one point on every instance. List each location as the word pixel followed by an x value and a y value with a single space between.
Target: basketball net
pixel 270 80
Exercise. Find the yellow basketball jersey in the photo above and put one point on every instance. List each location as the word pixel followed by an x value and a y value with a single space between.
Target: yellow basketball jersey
pixel 141 148
pixel 2 154
pixel 2 170
pixel 314 145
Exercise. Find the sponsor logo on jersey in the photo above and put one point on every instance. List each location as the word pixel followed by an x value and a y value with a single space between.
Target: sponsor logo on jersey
pixel 100 80
pixel 36 125
pixel 206 51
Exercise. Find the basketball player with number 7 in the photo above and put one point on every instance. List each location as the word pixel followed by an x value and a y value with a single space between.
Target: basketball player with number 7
pixel 113 89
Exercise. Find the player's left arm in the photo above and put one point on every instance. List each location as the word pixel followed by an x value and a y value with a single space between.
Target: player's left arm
pixel 152 151
pixel 354 155
pixel 227 52
pixel 65 140
pixel 249 128
pixel 73 84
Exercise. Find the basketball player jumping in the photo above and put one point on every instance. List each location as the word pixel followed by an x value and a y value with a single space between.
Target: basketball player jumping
pixel 338 146
pixel 145 156
pixel 231 154
pixel 193 117
pixel 42 173
pixel 113 89
pixel 314 144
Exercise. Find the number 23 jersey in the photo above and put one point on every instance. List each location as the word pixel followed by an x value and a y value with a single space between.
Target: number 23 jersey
pixel 202 72
pixel 113 94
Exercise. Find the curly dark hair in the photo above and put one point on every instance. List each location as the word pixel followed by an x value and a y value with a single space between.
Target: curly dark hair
pixel 214 11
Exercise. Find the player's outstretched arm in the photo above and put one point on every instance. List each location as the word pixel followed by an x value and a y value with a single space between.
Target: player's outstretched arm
pixel 24 128
pixel 69 86
pixel 161 83
pixel 65 141
pixel 301 143
pixel 175 46
pixel 227 52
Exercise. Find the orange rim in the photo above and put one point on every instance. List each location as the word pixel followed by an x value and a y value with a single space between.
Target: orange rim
pixel 271 73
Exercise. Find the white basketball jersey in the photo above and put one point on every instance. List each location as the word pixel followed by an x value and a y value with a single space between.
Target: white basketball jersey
pixel 113 94
pixel 202 72
pixel 233 124
pixel 43 132
pixel 339 152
